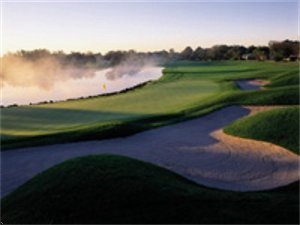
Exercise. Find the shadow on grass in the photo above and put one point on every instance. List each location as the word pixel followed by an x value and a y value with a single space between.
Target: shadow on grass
pixel 58 116
pixel 116 189
pixel 77 125
pixel 122 124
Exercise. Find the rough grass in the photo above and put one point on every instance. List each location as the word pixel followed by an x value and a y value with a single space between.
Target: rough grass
pixel 115 189
pixel 289 78
pixel 278 126
pixel 186 90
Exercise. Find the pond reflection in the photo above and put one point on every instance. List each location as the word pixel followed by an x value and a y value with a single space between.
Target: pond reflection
pixel 100 83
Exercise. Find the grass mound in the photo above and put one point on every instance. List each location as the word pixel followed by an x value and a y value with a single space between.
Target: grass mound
pixel 275 96
pixel 115 189
pixel 285 80
pixel 278 126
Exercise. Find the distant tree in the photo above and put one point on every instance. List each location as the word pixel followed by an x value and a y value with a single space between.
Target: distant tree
pixel 34 54
pixel 115 57
pixel 173 55
pixel 60 55
pixel 284 49
pixel 250 49
pixel 277 50
pixel 235 52
pixel 162 54
pixel 187 53
pixel 261 53
pixel 218 52
pixel 199 54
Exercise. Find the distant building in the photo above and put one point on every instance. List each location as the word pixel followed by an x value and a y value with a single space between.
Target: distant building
pixel 293 58
pixel 248 56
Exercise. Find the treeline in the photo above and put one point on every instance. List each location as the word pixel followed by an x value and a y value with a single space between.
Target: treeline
pixel 276 50
pixel 89 60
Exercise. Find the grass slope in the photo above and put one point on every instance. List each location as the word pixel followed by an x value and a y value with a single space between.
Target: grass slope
pixel 278 126
pixel 115 189
pixel 289 78
pixel 186 90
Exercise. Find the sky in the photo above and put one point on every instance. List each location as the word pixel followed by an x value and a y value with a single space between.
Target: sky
pixel 143 25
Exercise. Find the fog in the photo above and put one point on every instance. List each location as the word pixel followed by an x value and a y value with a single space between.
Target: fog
pixel 42 73
pixel 130 67
pixel 24 82
pixel 36 78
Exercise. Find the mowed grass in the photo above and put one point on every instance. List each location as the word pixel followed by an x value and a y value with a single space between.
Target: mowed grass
pixel 160 98
pixel 278 126
pixel 186 90
pixel 285 80
pixel 115 189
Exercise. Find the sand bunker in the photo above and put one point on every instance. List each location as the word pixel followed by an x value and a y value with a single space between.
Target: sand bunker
pixel 197 149
pixel 256 109
pixel 251 84
pixel 259 82
pixel 265 165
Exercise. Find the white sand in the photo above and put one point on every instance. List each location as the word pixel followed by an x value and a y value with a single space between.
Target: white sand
pixel 196 149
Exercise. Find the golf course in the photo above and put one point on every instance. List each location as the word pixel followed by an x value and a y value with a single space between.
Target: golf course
pixel 206 140
pixel 186 90
pixel 149 112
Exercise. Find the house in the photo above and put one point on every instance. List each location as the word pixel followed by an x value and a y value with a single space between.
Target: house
pixel 248 56
pixel 293 58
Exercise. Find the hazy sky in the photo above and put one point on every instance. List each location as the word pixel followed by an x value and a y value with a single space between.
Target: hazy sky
pixel 100 26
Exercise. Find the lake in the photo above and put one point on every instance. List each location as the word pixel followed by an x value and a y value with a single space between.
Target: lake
pixel 99 83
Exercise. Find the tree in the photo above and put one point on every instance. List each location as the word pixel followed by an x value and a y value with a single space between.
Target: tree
pixel 187 53
pixel 235 52
pixel 199 54
pixel 251 49
pixel 261 53
pixel 218 52
pixel 173 55
pixel 115 57
pixel 284 49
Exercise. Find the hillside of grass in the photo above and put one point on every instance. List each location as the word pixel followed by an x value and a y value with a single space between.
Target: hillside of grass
pixel 116 189
pixel 279 126
pixel 186 90
pixel 287 79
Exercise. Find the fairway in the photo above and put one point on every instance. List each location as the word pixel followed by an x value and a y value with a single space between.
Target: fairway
pixel 184 87
pixel 163 97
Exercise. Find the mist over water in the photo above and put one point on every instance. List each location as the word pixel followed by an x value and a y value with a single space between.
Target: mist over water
pixel 63 84
pixel 43 72
pixel 130 67
pixel 39 76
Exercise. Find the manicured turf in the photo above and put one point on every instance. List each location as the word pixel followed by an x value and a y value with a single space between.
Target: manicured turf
pixel 278 126
pixel 289 78
pixel 115 189
pixel 186 90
